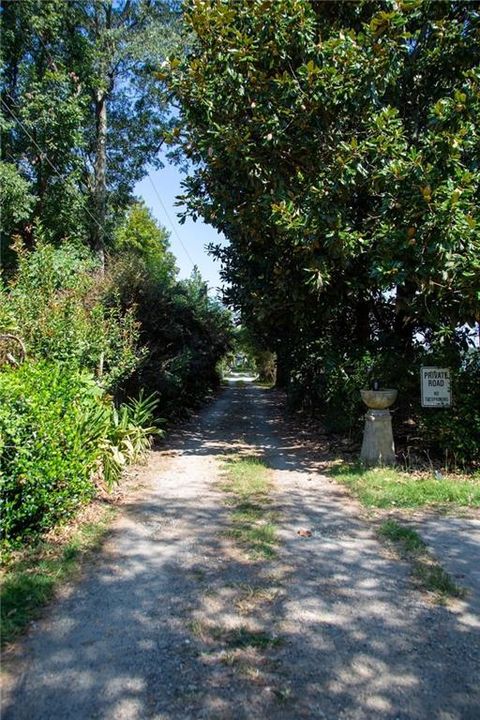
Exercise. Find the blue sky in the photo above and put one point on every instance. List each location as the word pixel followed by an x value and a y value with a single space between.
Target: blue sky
pixel 193 235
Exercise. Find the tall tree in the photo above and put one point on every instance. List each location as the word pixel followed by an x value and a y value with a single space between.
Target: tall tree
pixel 337 146
pixel 84 115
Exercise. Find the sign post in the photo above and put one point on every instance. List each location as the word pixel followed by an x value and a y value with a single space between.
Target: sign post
pixel 436 387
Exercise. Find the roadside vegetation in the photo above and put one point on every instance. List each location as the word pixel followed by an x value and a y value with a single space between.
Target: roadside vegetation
pixel 99 382
pixel 101 344
pixel 391 488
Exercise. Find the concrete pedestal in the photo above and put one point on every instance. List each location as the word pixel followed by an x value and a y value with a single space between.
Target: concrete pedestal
pixel 377 446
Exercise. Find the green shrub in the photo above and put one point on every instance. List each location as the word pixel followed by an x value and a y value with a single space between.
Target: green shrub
pixel 59 434
pixel 45 455
pixel 128 436
pixel 454 433
pixel 184 331
pixel 331 380
pixel 66 312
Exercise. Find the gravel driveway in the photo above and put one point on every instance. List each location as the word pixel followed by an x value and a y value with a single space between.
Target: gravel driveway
pixel 348 637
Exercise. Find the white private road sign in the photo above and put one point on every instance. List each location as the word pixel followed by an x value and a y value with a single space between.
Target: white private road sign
pixel 436 387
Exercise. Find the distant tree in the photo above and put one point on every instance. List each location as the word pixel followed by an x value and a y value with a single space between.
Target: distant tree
pixel 141 234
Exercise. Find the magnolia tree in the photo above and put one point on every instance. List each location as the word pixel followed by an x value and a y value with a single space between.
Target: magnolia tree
pixel 337 147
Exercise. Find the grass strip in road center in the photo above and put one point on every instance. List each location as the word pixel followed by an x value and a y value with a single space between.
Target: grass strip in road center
pixel 428 573
pixel 247 484
pixel 238 631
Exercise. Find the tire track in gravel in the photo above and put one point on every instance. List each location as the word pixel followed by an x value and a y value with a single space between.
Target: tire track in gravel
pixel 358 641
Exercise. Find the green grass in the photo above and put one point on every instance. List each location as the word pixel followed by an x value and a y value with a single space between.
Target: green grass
pixel 387 487
pixel 235 638
pixel 247 478
pixel 242 637
pixel 247 484
pixel 31 579
pixel 260 540
pixel 410 539
pixel 436 580
pixel 429 574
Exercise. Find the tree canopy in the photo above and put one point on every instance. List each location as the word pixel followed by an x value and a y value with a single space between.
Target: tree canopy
pixel 83 115
pixel 337 146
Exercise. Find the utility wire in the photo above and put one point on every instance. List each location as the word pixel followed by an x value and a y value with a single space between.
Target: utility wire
pixel 170 221
pixel 174 229
pixel 45 156
pixel 62 177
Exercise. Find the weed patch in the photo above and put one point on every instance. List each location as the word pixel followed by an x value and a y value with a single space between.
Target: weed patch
pixel 32 576
pixel 248 479
pixel 253 597
pixel 428 573
pixel 410 539
pixel 232 639
pixel 242 637
pixel 247 483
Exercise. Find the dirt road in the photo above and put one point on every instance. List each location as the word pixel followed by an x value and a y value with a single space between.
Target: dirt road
pixel 329 628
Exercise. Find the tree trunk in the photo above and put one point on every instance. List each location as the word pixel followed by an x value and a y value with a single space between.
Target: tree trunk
pixel 283 371
pixel 100 193
pixel 404 322
pixel 362 322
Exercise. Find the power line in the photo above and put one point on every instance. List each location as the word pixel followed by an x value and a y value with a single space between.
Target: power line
pixel 170 221
pixel 62 177
pixel 44 155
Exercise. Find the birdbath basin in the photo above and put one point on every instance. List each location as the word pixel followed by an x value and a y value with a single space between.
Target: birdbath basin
pixel 379 399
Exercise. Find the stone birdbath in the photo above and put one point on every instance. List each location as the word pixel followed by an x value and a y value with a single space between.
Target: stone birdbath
pixel 378 447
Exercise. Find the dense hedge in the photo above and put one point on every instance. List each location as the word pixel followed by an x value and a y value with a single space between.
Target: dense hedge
pixel 328 380
pixel 47 452
pixel 184 332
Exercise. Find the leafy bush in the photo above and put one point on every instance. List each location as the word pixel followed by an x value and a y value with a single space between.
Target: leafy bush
pixel 128 436
pixel 46 457
pixel 63 309
pixel 59 434
pixel 183 330
pixel 329 379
